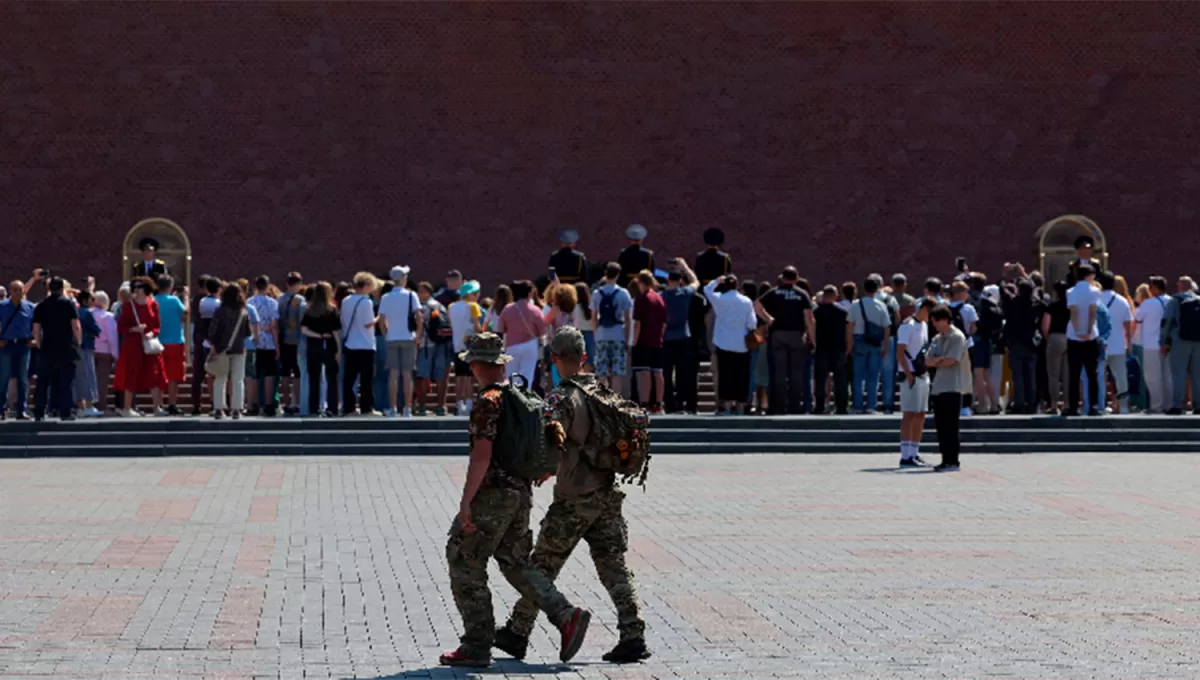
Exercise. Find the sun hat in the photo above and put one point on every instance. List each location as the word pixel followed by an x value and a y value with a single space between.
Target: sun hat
pixel 487 348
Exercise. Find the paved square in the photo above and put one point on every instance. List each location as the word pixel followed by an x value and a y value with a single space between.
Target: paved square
pixel 749 567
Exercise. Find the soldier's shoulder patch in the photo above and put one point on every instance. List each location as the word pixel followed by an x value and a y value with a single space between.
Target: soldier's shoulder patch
pixel 553 400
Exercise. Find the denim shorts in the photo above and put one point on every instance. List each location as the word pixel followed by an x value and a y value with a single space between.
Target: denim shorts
pixel 434 360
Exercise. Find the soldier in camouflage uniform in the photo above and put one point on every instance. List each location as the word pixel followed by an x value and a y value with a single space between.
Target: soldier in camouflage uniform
pixel 493 521
pixel 587 506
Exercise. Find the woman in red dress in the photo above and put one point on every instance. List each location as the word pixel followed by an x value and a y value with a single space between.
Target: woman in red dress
pixel 136 370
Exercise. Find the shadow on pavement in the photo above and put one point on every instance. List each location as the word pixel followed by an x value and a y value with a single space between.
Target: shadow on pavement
pixel 506 667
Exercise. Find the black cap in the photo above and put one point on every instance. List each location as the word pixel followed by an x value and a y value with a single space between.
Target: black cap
pixel 714 237
pixel 149 243
pixel 1084 241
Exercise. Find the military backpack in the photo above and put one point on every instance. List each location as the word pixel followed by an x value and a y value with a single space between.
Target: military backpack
pixel 522 448
pixel 619 439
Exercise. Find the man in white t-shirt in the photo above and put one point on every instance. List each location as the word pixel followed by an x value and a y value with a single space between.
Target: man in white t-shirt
pixel 1156 371
pixel 1120 341
pixel 1083 350
pixel 911 339
pixel 400 312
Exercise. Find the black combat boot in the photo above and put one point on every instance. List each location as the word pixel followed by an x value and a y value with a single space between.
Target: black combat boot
pixel 510 643
pixel 628 651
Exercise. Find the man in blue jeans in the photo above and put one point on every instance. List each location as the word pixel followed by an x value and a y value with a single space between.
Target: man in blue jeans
pixel 872 340
pixel 16 331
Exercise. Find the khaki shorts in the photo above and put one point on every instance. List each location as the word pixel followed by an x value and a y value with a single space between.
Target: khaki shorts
pixel 914 398
pixel 402 356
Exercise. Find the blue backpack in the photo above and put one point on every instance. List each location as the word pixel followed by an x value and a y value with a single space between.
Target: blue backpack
pixel 608 309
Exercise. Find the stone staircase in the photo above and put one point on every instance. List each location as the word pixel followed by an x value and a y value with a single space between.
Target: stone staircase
pixel 671 435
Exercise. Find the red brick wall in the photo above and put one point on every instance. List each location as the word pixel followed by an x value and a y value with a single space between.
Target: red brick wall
pixel 843 137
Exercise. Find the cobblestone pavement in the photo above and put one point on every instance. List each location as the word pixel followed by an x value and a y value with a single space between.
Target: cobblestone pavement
pixel 749 567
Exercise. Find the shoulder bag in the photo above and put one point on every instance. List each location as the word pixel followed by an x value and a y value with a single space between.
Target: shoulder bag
pixel 218 364
pixel 151 345
pixel 872 332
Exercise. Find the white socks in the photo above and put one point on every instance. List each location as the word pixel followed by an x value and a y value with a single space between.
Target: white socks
pixel 909 450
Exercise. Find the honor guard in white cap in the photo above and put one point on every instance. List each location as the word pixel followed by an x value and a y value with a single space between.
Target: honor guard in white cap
pixel 567 263
pixel 635 257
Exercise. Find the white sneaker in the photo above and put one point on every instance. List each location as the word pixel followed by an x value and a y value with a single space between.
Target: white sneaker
pixel 408 412
pixel 161 413
pixel 130 413
pixel 389 412
pixel 93 412
pixel 965 413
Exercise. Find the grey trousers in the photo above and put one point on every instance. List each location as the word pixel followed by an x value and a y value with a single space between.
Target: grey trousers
pixel 789 359
pixel 1185 362
pixel 1120 372
pixel 1056 368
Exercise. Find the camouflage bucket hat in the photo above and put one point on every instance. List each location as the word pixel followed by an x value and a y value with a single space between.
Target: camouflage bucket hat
pixel 487 348
pixel 568 342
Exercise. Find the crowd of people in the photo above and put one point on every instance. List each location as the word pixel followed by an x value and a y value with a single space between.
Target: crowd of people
pixel 388 347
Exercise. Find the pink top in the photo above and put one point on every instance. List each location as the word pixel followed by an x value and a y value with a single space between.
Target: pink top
pixel 521 322
pixel 106 342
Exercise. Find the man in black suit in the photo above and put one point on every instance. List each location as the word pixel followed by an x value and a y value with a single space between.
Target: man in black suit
pixel 713 263
pixel 1083 246
pixel 635 257
pixel 149 266
pixel 568 263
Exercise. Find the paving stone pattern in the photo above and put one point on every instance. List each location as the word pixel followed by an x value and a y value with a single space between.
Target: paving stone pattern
pixel 749 567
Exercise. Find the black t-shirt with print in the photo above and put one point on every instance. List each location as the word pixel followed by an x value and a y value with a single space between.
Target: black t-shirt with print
pixel 787 305
pixel 831 327
pixel 56 315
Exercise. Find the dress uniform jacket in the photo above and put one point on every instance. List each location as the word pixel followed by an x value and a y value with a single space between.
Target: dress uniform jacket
pixel 633 260
pixel 569 264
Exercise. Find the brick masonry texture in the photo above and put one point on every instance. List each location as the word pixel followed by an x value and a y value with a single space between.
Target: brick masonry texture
pixel 749 567
pixel 842 137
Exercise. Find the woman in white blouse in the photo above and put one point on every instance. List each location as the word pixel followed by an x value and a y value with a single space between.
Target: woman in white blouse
pixel 735 320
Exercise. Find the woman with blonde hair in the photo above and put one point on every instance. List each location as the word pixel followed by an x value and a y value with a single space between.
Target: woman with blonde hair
pixel 1138 398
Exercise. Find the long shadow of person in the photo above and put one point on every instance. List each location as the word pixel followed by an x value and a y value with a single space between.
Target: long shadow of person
pixel 500 667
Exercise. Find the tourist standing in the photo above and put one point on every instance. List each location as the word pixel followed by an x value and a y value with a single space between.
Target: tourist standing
pixel 1181 342
pixel 911 346
pixel 466 320
pixel 948 354
pixel 1156 371
pixel 85 388
pixel 400 316
pixel 358 333
pixel 679 368
pixel 292 355
pixel 173 316
pixel 872 337
pixel 734 321
pixel 612 316
pixel 1082 348
pixel 834 340
pixel 322 329
pixel 57 335
pixel 787 309
pixel 523 326
pixel 106 349
pixel 1120 341
pixel 226 361
pixel 649 328
pixel 16 333
pixel 137 369
pixel 434 350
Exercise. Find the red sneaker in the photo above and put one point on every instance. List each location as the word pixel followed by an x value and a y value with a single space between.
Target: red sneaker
pixel 573 631
pixel 462 657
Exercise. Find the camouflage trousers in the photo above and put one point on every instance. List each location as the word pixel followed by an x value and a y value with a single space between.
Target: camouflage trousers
pixel 501 518
pixel 597 519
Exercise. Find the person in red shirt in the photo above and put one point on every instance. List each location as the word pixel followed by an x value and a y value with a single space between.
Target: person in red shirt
pixel 649 325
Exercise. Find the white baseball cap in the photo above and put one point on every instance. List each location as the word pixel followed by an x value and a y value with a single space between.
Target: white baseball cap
pixel 400 271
